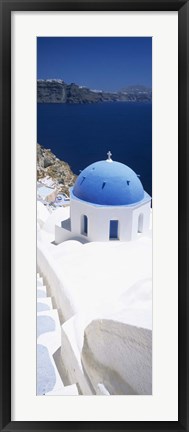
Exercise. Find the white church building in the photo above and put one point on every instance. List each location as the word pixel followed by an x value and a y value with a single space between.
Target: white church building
pixel 107 202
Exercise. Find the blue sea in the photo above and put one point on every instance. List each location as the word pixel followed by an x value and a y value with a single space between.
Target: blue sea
pixel 83 134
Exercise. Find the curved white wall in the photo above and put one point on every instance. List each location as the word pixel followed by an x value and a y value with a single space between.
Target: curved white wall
pixel 99 220
pixel 119 357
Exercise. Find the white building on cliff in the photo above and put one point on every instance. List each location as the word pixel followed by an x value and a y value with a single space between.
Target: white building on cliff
pixel 107 202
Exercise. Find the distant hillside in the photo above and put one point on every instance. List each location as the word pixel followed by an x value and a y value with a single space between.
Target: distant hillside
pixel 57 91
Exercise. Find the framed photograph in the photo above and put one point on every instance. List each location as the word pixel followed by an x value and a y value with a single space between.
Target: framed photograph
pixel 94 210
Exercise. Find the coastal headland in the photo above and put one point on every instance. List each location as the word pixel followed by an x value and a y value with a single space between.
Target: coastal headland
pixel 57 91
pixel 58 170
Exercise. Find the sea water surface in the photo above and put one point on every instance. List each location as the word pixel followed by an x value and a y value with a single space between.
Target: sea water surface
pixel 81 134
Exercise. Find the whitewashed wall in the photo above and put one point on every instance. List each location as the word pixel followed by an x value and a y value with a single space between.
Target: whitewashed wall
pixel 99 221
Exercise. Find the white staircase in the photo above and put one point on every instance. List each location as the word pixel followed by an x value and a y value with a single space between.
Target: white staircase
pixel 41 289
pixel 49 381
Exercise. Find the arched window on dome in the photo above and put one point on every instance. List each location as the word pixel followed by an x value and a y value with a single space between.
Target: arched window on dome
pixel 140 223
pixel 84 225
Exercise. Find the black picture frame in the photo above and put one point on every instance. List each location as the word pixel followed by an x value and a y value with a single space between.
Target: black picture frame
pixel 6 7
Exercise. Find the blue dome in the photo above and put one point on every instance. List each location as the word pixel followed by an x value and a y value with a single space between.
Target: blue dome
pixel 108 183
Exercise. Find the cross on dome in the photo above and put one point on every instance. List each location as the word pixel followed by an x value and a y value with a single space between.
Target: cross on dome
pixel 109 154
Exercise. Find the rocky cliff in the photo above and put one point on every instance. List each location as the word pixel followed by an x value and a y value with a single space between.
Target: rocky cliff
pixel 57 91
pixel 49 165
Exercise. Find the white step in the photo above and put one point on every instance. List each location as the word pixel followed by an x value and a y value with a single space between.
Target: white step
pixel 41 291
pixel 48 341
pixel 48 378
pixel 48 330
pixel 49 381
pixel 44 304
pixel 40 282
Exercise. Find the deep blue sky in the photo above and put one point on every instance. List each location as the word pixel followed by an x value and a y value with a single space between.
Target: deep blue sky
pixel 104 63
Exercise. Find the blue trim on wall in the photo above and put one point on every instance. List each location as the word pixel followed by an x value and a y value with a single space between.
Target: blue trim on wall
pixel 85 224
pixel 113 229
